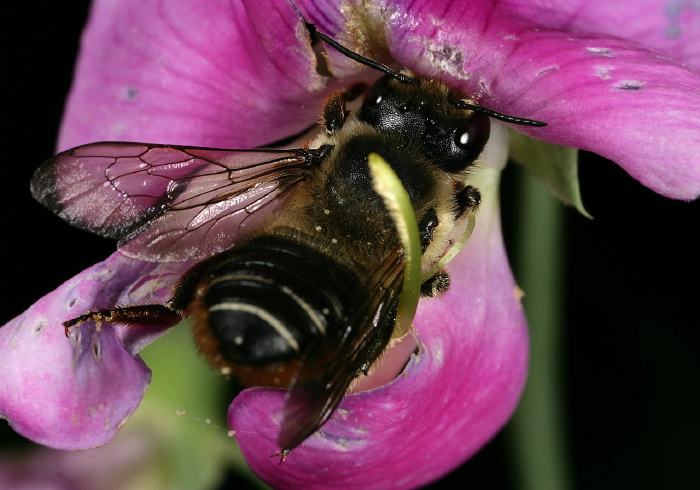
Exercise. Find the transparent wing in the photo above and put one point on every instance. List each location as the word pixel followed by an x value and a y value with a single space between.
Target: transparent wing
pixel 168 203
pixel 329 367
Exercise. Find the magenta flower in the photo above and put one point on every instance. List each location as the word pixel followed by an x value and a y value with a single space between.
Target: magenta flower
pixel 621 83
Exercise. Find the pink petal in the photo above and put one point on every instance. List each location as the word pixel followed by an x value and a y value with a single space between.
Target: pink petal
pixel 105 468
pixel 449 401
pixel 621 99
pixel 70 393
pixel 219 74
pixel 671 27
pixel 210 74
pixel 153 73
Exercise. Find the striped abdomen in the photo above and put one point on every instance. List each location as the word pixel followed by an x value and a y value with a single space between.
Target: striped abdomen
pixel 273 297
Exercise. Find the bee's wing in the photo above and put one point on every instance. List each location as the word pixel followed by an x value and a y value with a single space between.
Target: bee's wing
pixel 329 368
pixel 167 203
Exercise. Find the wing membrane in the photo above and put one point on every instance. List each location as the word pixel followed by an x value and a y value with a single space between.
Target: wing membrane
pixel 168 203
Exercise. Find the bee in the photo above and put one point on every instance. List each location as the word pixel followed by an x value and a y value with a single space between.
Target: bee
pixel 298 264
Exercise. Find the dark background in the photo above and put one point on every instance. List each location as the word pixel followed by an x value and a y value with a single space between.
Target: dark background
pixel 631 346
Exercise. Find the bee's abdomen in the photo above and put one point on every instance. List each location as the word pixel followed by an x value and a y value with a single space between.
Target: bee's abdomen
pixel 274 296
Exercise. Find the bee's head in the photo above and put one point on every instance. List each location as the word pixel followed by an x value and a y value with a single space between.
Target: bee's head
pixel 423 112
pixel 409 80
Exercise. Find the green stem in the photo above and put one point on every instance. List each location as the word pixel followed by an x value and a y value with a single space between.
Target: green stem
pixel 540 440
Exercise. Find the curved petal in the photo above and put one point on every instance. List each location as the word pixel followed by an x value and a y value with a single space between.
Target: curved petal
pixel 620 99
pixel 219 74
pixel 671 27
pixel 112 466
pixel 450 400
pixel 75 393
pixel 206 73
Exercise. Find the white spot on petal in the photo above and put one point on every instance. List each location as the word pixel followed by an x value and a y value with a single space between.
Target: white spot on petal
pixel 601 71
pixel 600 51
pixel 483 88
pixel 40 325
pixel 448 58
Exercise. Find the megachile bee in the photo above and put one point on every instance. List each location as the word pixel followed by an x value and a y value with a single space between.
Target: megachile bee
pixel 300 266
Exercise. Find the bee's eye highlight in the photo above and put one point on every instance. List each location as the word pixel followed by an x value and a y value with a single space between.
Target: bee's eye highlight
pixel 471 135
pixel 377 92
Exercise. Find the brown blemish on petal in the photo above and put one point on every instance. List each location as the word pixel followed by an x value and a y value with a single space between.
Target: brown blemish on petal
pixel 519 294
pixel 95 347
pixel 546 70
pixel 630 85
pixel 364 24
pixel 40 325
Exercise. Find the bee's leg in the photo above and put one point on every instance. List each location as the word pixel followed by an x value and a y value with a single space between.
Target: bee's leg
pixel 282 455
pixel 132 316
pixel 468 199
pixel 364 369
pixel 334 111
pixel 436 285
pixel 426 227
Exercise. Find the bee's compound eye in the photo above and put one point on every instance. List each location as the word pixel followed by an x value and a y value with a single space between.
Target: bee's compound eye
pixel 376 94
pixel 472 135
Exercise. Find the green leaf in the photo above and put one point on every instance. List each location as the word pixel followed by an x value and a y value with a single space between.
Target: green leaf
pixel 553 165
pixel 185 410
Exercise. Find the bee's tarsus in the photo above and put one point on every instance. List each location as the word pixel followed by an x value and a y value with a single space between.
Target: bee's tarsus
pixel 282 455
pixel 436 285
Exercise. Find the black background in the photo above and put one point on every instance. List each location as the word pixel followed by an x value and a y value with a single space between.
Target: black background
pixel 631 344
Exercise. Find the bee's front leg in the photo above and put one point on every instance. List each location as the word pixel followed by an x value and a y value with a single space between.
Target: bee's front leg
pixel 335 112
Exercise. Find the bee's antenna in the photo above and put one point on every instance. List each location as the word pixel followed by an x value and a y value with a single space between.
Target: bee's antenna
pixel 460 104
pixel 400 77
